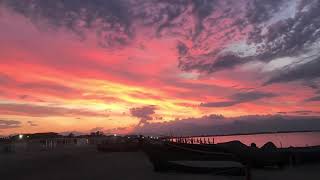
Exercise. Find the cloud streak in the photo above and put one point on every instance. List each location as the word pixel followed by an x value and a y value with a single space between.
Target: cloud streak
pixel 306 71
pixel 45 111
pixel 9 124
pixel 239 98
pixel 315 98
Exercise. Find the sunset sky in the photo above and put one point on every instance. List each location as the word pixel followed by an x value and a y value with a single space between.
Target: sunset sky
pixel 114 65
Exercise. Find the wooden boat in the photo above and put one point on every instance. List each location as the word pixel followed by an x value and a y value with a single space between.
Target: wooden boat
pixel 256 157
pixel 235 151
pixel 172 151
pixel 184 158
pixel 213 167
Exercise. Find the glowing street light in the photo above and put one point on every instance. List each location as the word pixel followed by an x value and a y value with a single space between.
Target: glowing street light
pixel 20 136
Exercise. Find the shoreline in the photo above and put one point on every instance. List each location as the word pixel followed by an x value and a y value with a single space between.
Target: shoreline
pixel 244 134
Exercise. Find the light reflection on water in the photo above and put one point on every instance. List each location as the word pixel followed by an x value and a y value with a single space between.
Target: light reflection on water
pixel 300 139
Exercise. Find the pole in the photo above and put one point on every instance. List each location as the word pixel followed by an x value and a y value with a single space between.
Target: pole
pixel 248 172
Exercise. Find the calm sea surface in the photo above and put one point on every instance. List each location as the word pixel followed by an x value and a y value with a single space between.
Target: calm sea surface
pixel 300 139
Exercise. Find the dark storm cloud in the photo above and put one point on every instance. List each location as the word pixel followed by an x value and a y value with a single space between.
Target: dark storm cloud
pixel 301 112
pixel 259 11
pixel 251 96
pixel 312 84
pixel 211 62
pixel 220 104
pixel 202 9
pixel 306 71
pixel 212 34
pixel 116 16
pixel 222 125
pixel 225 62
pixel 315 98
pixel 259 23
pixel 165 14
pixel 77 15
pixel 143 113
pixel 7 124
pixel 306 112
pixel 291 36
pixel 239 98
pixel 182 49
pixel 68 13
pixel 273 36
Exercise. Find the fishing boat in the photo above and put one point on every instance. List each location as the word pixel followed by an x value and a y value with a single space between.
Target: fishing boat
pixel 172 151
pixel 192 166
pixel 185 158
pixel 231 151
pixel 256 157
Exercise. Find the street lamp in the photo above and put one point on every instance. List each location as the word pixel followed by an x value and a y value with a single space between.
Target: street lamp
pixel 20 136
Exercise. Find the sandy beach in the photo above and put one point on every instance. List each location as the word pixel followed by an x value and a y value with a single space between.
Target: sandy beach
pixel 83 163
